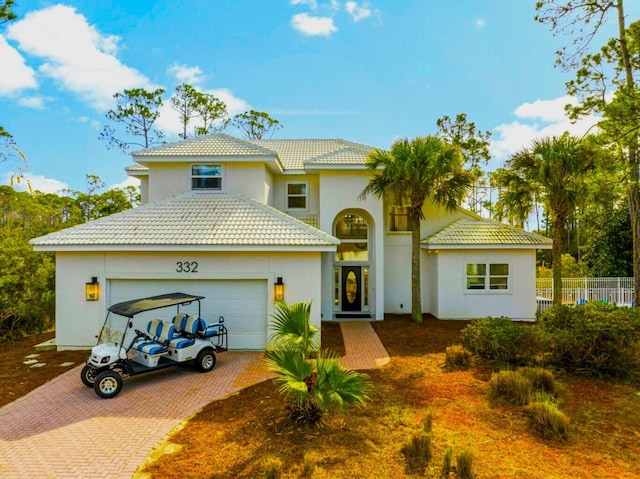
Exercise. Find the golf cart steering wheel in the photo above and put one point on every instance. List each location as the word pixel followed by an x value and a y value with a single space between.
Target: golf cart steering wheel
pixel 140 334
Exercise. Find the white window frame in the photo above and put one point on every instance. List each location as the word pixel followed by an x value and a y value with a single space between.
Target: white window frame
pixel 486 289
pixel 305 195
pixel 221 176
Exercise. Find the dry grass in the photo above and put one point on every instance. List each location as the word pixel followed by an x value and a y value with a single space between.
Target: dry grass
pixel 233 438
pixel 17 378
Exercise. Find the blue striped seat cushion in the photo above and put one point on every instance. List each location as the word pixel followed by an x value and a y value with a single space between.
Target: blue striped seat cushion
pixel 150 347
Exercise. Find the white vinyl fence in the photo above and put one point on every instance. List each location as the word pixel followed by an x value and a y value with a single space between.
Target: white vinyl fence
pixel 580 290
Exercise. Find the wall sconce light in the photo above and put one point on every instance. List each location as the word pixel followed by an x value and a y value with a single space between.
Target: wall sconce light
pixel 278 289
pixel 92 289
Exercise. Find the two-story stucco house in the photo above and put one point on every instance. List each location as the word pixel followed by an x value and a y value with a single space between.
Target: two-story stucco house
pixel 227 218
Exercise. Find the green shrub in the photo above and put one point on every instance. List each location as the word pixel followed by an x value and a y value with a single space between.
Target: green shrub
pixel 541 379
pixel 446 463
pixel 547 420
pixel 427 424
pixel 595 339
pixel 457 357
pixel 503 341
pixel 418 451
pixel 464 464
pixel 272 468
pixel 308 464
pixel 511 387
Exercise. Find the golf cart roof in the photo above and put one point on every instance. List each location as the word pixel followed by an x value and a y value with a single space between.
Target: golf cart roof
pixel 135 306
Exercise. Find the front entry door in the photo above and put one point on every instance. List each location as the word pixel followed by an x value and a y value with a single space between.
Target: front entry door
pixel 351 288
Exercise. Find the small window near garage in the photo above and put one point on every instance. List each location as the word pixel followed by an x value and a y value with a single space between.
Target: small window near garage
pixel 399 219
pixel 206 177
pixel 296 196
pixel 487 277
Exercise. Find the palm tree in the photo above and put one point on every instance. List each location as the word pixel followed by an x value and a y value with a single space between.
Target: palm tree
pixel 310 386
pixel 554 170
pixel 414 172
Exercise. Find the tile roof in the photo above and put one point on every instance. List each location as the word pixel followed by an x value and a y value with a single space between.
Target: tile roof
pixel 196 219
pixel 293 154
pixel 485 232
pixel 217 144
pixel 346 156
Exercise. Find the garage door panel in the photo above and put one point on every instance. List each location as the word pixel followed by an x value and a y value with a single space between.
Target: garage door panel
pixel 242 303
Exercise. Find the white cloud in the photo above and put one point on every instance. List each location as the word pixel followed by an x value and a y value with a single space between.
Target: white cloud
pixel 313 26
pixel 186 74
pixel 538 119
pixel 21 77
pixel 169 120
pixel 35 102
pixel 358 12
pixel 312 4
pixel 546 110
pixel 37 183
pixel 76 54
pixel 480 22
pixel 130 181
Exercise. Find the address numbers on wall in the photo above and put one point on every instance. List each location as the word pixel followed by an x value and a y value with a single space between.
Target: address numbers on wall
pixel 187 266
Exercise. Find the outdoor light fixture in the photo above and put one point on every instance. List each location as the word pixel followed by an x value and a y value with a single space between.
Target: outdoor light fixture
pixel 278 289
pixel 92 289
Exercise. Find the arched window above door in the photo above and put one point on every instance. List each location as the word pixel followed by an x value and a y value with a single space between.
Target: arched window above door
pixel 353 232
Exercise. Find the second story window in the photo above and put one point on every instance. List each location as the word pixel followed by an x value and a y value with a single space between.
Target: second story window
pixel 297 196
pixel 206 177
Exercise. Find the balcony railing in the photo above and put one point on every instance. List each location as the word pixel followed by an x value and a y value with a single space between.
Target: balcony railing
pixel 310 218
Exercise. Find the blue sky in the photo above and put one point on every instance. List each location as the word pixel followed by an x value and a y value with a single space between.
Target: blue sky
pixel 368 71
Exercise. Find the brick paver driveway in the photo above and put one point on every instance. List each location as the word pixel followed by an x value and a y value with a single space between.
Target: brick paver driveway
pixel 63 430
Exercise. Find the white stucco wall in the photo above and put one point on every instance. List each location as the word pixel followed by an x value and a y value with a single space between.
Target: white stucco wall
pixel 79 321
pixel 397 278
pixel 456 302
pixel 169 179
pixel 338 192
pixel 166 180
pixel 251 179
pixel 313 193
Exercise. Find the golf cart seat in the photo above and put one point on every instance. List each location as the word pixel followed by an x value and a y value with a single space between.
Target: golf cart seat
pixel 179 321
pixel 161 334
pixel 188 330
pixel 210 330
pixel 185 325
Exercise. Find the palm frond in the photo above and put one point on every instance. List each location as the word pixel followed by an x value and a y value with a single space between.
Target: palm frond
pixel 337 386
pixel 292 328
pixel 292 374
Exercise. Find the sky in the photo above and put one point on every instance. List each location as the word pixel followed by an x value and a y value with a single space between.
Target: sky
pixel 368 71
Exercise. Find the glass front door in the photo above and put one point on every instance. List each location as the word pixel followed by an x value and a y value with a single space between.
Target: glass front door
pixel 351 288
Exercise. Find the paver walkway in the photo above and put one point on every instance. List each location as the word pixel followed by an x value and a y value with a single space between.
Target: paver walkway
pixel 64 430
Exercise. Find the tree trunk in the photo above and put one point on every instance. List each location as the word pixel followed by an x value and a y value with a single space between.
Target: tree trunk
pixel 634 213
pixel 416 303
pixel 558 238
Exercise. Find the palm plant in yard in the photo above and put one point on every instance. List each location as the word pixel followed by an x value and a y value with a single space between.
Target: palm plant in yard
pixel 553 170
pixel 425 169
pixel 310 386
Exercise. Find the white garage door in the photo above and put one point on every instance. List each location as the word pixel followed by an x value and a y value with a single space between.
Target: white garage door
pixel 243 303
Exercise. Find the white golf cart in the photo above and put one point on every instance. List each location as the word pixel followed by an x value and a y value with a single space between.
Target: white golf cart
pixel 123 350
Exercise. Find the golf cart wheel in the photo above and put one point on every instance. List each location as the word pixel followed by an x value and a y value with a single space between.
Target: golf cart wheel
pixel 88 376
pixel 108 384
pixel 206 360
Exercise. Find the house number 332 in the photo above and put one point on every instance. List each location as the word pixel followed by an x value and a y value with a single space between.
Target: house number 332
pixel 187 266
